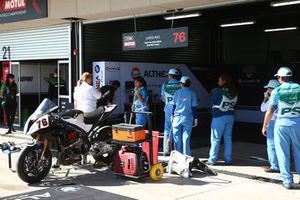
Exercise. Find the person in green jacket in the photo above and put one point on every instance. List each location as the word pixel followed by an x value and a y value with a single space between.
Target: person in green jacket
pixel 53 86
pixel 9 92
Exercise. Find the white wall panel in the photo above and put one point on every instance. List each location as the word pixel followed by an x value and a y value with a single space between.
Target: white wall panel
pixel 52 42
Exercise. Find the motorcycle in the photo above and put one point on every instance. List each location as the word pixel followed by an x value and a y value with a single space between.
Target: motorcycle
pixel 69 136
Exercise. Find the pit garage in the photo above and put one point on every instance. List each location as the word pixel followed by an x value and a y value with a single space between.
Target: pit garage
pixel 250 41
pixel 33 55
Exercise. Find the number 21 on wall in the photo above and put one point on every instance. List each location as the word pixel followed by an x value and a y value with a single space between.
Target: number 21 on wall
pixel 6 53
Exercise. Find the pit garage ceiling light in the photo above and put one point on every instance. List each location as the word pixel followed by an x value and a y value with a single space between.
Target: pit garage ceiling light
pixel 238 24
pixel 182 16
pixel 281 29
pixel 284 3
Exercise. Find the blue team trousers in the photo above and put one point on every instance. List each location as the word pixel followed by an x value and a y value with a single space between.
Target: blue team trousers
pixel 182 131
pixel 271 146
pixel 167 132
pixel 284 137
pixel 141 119
pixel 221 126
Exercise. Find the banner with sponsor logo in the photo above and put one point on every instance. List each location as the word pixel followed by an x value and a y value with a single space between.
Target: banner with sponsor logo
pixel 155 75
pixel 156 39
pixel 20 10
pixel 5 70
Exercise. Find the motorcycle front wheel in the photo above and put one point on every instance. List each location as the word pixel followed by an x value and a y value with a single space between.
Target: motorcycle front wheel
pixel 31 166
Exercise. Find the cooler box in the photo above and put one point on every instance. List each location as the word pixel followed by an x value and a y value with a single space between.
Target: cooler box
pixel 128 132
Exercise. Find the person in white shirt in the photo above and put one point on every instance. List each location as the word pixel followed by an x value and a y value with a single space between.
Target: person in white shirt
pixel 86 95
pixel 79 82
pixel 274 168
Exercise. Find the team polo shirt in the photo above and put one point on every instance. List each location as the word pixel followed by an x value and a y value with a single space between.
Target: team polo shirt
pixel 286 99
pixel 184 100
pixel 141 106
pixel 221 102
pixel 167 92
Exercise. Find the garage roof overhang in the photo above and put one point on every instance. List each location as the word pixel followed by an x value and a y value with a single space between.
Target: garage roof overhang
pixel 60 11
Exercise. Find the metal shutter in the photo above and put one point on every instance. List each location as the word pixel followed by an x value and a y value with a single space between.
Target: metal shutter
pixel 51 42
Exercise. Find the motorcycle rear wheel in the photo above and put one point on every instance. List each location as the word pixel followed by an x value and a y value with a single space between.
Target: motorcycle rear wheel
pixel 106 136
pixel 31 168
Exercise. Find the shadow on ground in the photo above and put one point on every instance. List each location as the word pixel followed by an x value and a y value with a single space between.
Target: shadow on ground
pixel 105 177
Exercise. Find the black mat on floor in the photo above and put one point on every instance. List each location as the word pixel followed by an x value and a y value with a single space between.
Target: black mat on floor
pixel 71 192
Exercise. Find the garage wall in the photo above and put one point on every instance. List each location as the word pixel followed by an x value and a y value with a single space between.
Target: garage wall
pixel 249 54
pixel 103 41
pixel 250 45
pixel 49 42
pixel 245 45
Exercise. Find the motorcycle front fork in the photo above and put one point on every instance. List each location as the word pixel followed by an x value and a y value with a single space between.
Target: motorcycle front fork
pixel 46 143
pixel 57 162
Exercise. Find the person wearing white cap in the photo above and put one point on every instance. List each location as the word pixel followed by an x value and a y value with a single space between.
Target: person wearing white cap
pixel 167 93
pixel 274 168
pixel 185 116
pixel 285 100
pixel 222 100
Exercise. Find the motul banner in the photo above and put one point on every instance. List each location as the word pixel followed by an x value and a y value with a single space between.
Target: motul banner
pixel 20 10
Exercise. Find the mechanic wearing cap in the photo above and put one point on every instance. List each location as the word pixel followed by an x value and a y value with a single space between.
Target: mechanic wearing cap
pixel 185 113
pixel 222 100
pixel 167 92
pixel 274 168
pixel 285 99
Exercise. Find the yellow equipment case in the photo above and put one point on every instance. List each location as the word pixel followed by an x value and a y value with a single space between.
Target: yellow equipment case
pixel 128 132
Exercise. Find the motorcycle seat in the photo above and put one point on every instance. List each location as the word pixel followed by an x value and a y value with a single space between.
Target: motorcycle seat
pixel 93 117
pixel 71 113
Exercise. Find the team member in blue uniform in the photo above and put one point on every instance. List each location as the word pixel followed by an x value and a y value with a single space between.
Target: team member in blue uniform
pixel 185 113
pixel 285 99
pixel 274 168
pixel 140 100
pixel 167 92
pixel 222 101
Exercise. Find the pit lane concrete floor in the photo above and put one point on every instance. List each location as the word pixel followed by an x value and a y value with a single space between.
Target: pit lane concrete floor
pixel 245 179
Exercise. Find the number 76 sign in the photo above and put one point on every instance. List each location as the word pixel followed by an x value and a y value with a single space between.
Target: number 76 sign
pixel 156 39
